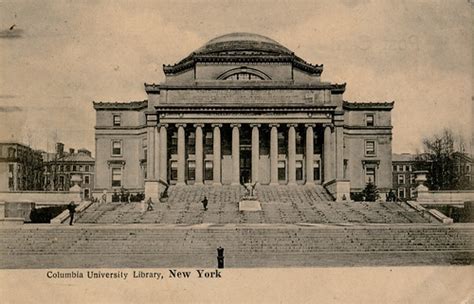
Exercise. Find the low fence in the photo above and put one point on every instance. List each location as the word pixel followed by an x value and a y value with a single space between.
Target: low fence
pixel 445 197
pixel 41 197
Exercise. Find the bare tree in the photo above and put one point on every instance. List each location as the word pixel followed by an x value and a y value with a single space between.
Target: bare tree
pixel 443 161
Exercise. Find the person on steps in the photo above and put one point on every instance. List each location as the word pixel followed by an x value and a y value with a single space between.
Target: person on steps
pixel 204 203
pixel 72 209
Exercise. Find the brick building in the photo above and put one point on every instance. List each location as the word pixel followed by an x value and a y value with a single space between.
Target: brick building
pixel 242 108
pixel 20 167
pixel 403 167
pixel 61 166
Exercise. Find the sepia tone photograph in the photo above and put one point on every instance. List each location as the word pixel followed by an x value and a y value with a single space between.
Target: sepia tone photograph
pixel 217 147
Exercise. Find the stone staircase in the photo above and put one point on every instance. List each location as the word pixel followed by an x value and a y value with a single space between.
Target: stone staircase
pixel 61 246
pixel 280 204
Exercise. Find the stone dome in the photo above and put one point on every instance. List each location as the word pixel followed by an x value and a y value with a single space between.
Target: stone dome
pixel 242 42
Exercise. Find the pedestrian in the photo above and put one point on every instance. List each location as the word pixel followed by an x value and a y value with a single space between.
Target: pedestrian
pixel 149 205
pixel 72 209
pixel 104 197
pixel 204 203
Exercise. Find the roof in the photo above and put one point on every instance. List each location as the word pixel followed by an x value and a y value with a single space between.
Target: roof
pixel 349 105
pixel 77 157
pixel 242 47
pixel 242 42
pixel 130 105
pixel 403 157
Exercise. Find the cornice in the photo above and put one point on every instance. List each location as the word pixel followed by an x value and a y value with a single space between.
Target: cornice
pixel 387 106
pixel 256 85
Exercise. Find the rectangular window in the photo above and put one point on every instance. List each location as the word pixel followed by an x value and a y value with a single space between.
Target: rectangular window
pixel 74 168
pixel 174 170
pixel 412 192
pixel 410 168
pixel 208 143
pixel 401 192
pixel 191 143
pixel 370 148
pixel 174 143
pixel 86 168
pixel 316 170
pixel 117 120
pixel 370 175
pixel 281 170
pixel 86 193
pixel 394 168
pixel 116 148
pixel 191 170
pixel 68 168
pixel 399 168
pixel 86 179
pixel 209 172
pixel 412 179
pixel 401 179
pixel 369 120
pixel 299 170
pixel 116 177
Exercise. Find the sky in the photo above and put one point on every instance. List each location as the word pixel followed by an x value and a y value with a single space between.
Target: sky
pixel 56 57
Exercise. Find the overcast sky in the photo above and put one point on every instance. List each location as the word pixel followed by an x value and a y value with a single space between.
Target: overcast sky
pixel 59 56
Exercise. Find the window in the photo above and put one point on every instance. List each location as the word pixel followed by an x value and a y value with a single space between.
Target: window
pixel 68 168
pixel 86 193
pixel 412 192
pixel 370 175
pixel 401 193
pixel 316 170
pixel 412 179
pixel 399 168
pixel 86 179
pixel 208 143
pixel 191 170
pixel 410 168
pixel 86 168
pixel 401 179
pixel 281 170
pixel 116 177
pixel 394 168
pixel 243 76
pixel 370 148
pixel 299 170
pixel 191 143
pixel 369 120
pixel 174 170
pixel 208 173
pixel 117 120
pixel 116 148
pixel 74 168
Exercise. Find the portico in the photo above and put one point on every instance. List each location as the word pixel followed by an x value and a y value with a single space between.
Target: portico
pixel 263 150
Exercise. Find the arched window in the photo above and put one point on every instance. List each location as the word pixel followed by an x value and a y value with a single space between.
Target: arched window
pixel 244 73
pixel 243 76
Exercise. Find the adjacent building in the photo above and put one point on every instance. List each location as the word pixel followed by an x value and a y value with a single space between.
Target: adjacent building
pixel 61 166
pixel 20 167
pixel 403 167
pixel 242 108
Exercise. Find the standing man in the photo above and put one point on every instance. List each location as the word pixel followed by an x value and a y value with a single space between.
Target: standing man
pixel 204 203
pixel 72 209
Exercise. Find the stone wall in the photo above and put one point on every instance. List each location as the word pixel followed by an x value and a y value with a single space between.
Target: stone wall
pixel 45 197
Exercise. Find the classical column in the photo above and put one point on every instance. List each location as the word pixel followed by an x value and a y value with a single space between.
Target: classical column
pixel 235 154
pixel 309 153
pixel 150 162
pixel 339 163
pixel 181 154
pixel 274 154
pixel 255 152
pixel 156 159
pixel 292 154
pixel 199 154
pixel 327 152
pixel 217 154
pixel 163 153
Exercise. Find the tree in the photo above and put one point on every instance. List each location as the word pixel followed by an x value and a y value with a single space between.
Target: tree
pixel 370 192
pixel 442 161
